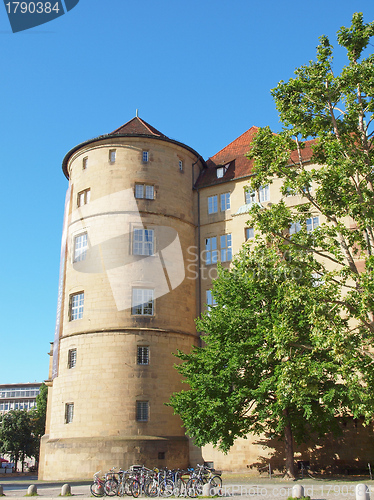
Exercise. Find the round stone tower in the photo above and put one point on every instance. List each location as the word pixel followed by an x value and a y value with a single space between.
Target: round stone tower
pixel 126 304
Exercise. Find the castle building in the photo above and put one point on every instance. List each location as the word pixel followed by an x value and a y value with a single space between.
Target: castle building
pixel 146 221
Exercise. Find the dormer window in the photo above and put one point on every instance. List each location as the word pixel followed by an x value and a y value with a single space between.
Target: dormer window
pixel 222 170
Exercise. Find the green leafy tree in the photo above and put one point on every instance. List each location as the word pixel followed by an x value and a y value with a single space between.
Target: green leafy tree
pixel 277 357
pixel 38 418
pixel 16 437
pixel 334 112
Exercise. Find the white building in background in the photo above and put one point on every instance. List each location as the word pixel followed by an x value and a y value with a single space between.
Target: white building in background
pixel 18 396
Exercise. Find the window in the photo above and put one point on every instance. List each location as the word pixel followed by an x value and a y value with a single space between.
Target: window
pixel 143 240
pixel 226 251
pixel 112 155
pixel 222 170
pixel 210 300
pixel 142 411
pixel 76 306
pixel 250 196
pixel 143 355
pixel 72 358
pixel 84 197
pixel 85 163
pixel 249 233
pixel 80 247
pixel 264 193
pixel 295 227
pixel 180 163
pixel 212 204
pixel 225 202
pixel 211 250
pixel 145 156
pixel 144 191
pixel 142 301
pixel 69 413
pixel 311 224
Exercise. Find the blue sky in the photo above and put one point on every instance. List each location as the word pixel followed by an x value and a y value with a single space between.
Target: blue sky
pixel 199 71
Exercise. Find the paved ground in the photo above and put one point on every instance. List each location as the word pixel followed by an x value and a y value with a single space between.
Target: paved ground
pixel 236 487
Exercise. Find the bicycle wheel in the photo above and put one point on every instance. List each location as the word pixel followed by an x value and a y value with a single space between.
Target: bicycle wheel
pixel 151 488
pixel 166 487
pixel 127 486
pixel 111 487
pixel 194 487
pixel 97 490
pixel 135 488
pixel 216 482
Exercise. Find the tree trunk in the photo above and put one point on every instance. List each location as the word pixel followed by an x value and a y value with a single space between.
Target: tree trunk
pixel 288 448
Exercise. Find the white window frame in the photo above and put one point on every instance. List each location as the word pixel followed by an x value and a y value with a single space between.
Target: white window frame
pixel 180 164
pixel 226 247
pixel 211 252
pixel 145 156
pixel 76 306
pixel 143 241
pixel 72 358
pixel 83 197
pixel 80 247
pixel 210 300
pixel 142 302
pixel 312 223
pixel 144 191
pixel 212 204
pixel 69 413
pixel 225 202
pixel 249 233
pixel 142 411
pixel 142 356
pixel 264 193
pixel 112 155
pixel 221 171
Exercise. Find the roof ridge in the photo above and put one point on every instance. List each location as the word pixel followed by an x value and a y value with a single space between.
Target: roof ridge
pixel 253 127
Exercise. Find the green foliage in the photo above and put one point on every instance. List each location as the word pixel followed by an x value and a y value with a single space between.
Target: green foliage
pixel 16 438
pixel 337 113
pixel 282 354
pixel 276 354
pixel 300 498
pixel 21 430
pixel 38 418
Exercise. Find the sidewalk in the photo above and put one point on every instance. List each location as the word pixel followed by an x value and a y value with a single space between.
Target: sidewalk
pixel 234 487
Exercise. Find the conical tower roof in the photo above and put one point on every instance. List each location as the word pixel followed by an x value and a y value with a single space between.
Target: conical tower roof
pixel 137 126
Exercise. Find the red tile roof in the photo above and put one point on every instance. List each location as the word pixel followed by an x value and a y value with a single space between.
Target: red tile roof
pixel 234 156
pixel 137 126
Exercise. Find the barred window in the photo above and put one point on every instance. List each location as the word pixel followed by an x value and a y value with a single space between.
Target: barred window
pixel 69 413
pixel 143 355
pixel 142 411
pixel 72 358
pixel 112 155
